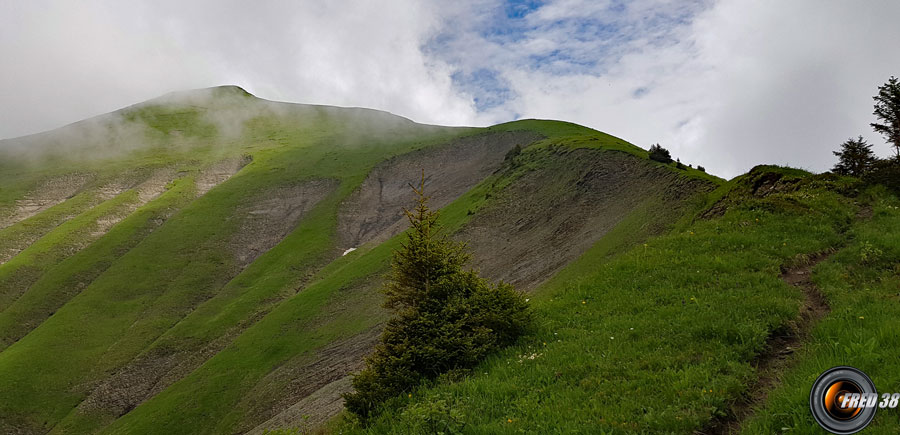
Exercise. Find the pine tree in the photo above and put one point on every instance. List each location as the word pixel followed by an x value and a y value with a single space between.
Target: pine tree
pixel 445 317
pixel 855 158
pixel 887 110
pixel 660 154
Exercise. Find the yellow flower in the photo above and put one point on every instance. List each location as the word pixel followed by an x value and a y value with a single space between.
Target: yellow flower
pixel 861 317
pixel 509 420
pixel 583 302
pixel 410 395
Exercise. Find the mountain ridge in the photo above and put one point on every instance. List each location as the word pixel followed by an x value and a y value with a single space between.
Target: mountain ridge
pixel 228 285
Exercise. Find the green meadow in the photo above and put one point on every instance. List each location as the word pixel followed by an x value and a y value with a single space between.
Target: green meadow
pixel 153 324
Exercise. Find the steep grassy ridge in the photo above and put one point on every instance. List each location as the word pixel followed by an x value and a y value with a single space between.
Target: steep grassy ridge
pixel 225 302
pixel 182 263
pixel 861 283
pixel 294 340
pixel 661 338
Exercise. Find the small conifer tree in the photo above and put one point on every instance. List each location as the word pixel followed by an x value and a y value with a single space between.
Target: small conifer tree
pixel 660 154
pixel 445 317
pixel 855 158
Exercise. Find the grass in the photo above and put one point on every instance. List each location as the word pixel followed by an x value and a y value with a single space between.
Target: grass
pixel 658 339
pixel 182 264
pixel 861 283
pixel 672 322
pixel 64 280
pixel 291 330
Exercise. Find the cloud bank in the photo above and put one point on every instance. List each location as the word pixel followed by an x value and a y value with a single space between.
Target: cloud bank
pixel 726 84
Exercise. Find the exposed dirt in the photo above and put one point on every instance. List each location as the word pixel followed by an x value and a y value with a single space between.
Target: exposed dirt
pixel 46 195
pixel 542 221
pixel 552 215
pixel 375 211
pixel 311 411
pixel 219 173
pixel 147 191
pixel 310 387
pixel 780 346
pixel 265 220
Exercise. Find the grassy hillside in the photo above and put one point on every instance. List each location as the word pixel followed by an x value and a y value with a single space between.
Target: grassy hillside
pixel 176 266
pixel 687 332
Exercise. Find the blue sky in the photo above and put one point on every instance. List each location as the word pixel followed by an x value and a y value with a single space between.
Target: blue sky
pixel 726 84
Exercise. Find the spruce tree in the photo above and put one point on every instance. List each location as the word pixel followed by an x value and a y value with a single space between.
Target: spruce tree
pixel 855 158
pixel 887 110
pixel 660 154
pixel 445 317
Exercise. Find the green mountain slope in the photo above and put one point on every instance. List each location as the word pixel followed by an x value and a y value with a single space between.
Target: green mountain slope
pixel 208 262
pixel 716 327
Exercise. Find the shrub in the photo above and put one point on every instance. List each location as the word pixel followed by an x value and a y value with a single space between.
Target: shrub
pixel 701 168
pixel 512 153
pixel 886 173
pixel 679 165
pixel 439 415
pixel 446 318
pixel 660 154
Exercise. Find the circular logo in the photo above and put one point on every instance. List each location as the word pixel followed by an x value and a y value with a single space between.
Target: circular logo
pixel 843 400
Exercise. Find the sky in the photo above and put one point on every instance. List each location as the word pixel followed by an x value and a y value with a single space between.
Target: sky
pixel 727 84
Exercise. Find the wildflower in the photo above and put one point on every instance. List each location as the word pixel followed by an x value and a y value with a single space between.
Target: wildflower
pixel 527 300
pixel 612 338
pixel 410 395
pixel 861 317
pixel 583 302
pixel 509 420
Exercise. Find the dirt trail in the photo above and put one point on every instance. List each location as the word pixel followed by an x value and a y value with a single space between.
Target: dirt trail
pixel 782 344
pixel 780 347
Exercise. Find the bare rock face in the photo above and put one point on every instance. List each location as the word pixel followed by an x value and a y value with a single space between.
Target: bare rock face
pixel 551 216
pixel 374 213
pixel 46 195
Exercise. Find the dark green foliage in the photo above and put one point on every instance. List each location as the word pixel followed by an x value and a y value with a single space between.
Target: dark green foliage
pixel 701 168
pixel 660 154
pixel 855 158
pixel 887 110
pixel 511 154
pixel 680 165
pixel 885 172
pixel 446 317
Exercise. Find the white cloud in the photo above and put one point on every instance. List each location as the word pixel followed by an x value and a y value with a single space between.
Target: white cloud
pixel 727 84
